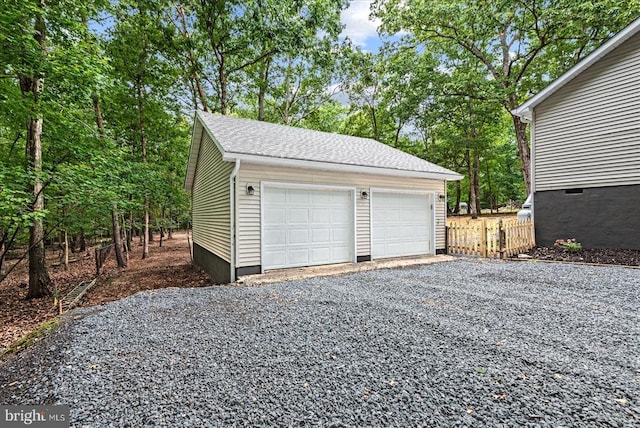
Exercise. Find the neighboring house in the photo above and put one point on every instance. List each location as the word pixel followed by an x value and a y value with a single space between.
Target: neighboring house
pixel 585 149
pixel 269 196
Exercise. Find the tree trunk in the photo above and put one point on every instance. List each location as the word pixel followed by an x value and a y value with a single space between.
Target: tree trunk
pixel 476 181
pixel 3 252
pixel 192 58
pixel 39 281
pixel 493 203
pixel 66 250
pixel 223 88
pixel 143 145
pixel 98 114
pixel 131 230
pixel 473 166
pixel 127 239
pixel 83 242
pixel 523 150
pixel 374 123
pixel 456 210
pixel 114 209
pixel 262 90
pixel 117 241
pixel 473 200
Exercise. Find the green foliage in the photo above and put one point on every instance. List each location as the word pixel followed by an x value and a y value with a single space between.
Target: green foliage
pixel 570 245
pixel 441 89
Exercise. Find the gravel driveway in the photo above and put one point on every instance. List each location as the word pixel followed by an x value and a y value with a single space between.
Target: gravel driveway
pixel 465 343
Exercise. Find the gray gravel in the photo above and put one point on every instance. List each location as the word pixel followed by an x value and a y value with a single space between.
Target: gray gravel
pixel 464 343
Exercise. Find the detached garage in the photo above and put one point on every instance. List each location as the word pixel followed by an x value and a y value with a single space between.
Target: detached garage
pixel 269 196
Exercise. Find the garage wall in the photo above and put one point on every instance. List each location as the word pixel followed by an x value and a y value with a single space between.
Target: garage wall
pixel 248 227
pixel 211 201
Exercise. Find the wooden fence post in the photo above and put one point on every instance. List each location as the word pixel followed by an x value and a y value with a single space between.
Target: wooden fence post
pixel 484 250
pixel 501 239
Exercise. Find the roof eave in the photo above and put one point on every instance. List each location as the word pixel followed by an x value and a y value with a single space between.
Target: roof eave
pixel 328 166
pixel 194 149
pixel 524 111
pixel 199 127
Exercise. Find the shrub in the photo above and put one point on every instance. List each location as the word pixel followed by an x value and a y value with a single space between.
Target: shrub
pixel 570 245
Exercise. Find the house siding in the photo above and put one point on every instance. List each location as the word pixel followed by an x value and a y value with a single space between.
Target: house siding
pixel 588 133
pixel 211 201
pixel 248 226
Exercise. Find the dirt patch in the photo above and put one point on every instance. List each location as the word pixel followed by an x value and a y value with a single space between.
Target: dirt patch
pixel 167 266
pixel 608 256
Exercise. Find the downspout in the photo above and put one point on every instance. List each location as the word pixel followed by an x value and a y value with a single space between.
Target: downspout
pixel 233 195
pixel 532 157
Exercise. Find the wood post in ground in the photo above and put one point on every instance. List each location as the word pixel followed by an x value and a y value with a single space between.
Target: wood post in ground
pixel 484 251
pixel 501 239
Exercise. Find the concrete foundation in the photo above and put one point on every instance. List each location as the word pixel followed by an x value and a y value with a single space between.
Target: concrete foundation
pixel 599 217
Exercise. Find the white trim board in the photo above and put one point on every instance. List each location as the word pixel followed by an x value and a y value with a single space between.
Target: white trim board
pixel 326 166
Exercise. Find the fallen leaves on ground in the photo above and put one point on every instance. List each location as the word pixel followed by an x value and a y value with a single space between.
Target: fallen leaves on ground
pixel 166 266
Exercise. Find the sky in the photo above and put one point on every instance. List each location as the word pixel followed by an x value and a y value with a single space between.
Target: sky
pixel 359 28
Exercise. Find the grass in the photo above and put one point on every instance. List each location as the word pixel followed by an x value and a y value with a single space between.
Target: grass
pixel 45 329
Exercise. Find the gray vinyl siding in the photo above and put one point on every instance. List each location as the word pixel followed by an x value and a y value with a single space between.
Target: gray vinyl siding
pixel 248 226
pixel 588 133
pixel 211 201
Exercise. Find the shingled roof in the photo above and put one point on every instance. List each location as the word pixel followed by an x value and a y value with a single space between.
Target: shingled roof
pixel 267 143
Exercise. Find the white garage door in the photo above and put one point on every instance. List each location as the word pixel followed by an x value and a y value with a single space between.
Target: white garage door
pixel 305 227
pixel 401 224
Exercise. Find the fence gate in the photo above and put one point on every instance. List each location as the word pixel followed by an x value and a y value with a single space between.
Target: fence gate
pixel 489 237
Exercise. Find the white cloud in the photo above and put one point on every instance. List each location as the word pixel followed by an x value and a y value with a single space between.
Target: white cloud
pixel 358 27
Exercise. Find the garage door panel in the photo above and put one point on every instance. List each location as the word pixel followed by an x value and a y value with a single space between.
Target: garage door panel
pixel 401 224
pixel 275 237
pixel 317 226
pixel 297 196
pixel 321 235
pixel 318 198
pixel 341 253
pixel 275 216
pixel 275 258
pixel 341 234
pixel 298 216
pixel 298 236
pixel 321 255
pixel 321 216
pixel 297 255
pixel 276 197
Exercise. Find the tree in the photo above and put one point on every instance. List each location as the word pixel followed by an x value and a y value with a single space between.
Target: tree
pixel 138 48
pixel 521 45
pixel 31 79
pixel 251 38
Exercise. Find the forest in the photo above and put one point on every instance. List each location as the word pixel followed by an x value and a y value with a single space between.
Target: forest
pixel 97 98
